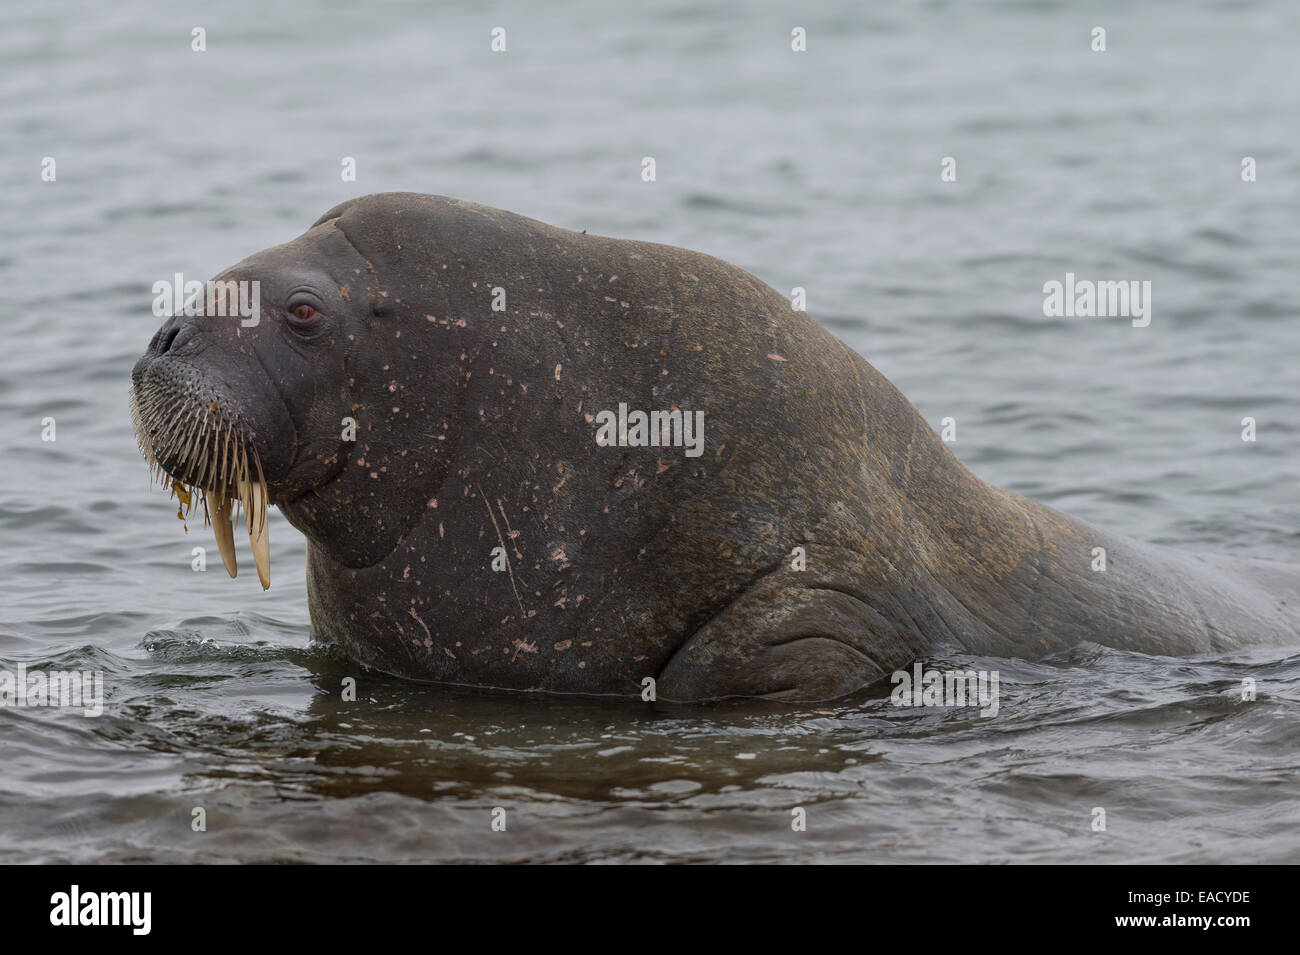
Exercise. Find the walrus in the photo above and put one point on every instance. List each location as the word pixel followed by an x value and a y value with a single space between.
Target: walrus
pixel 451 402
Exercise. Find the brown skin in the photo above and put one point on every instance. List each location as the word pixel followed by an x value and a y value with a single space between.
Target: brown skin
pixel 475 431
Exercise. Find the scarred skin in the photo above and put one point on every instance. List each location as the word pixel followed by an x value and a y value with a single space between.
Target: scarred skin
pixel 475 430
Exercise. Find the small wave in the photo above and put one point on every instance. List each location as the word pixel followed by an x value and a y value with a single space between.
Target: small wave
pixel 709 202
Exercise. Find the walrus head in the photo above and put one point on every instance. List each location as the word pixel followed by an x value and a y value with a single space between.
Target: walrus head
pixel 233 409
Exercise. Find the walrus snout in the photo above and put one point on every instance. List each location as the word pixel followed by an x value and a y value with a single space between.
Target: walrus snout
pixel 187 424
pixel 190 430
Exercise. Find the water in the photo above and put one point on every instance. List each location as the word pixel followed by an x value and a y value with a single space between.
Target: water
pixel 818 170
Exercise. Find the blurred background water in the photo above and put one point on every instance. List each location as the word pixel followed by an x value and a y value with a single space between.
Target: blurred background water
pixel 817 169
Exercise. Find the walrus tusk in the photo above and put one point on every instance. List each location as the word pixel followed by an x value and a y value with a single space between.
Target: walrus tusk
pixel 253 495
pixel 224 532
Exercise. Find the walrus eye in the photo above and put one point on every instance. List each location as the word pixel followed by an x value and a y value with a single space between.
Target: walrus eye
pixel 304 318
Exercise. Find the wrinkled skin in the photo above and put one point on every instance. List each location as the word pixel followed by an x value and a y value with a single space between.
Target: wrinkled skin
pixel 474 431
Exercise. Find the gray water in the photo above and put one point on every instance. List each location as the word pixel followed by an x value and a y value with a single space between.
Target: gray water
pixel 816 169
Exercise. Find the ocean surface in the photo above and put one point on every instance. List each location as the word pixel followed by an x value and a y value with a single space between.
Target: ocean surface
pixel 819 169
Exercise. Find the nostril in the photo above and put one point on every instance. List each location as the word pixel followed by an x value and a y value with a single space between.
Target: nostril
pixel 164 337
pixel 168 336
pixel 176 336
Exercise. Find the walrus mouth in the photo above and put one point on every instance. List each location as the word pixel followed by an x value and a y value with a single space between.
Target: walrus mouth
pixel 206 460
